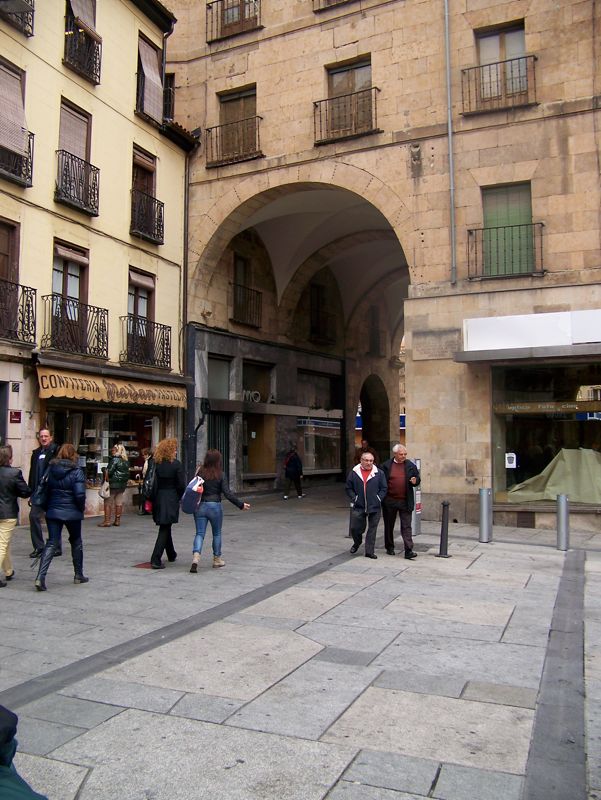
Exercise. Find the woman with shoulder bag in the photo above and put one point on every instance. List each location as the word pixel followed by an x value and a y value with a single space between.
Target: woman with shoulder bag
pixel 170 484
pixel 65 506
pixel 210 508
pixel 117 474
pixel 12 486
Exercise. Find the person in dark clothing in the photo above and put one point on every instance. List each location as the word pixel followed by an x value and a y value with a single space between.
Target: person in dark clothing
pixel 365 488
pixel 117 474
pixel 66 504
pixel 402 476
pixel 12 785
pixel 170 486
pixel 210 508
pixel 40 459
pixel 293 472
pixel 365 447
pixel 12 486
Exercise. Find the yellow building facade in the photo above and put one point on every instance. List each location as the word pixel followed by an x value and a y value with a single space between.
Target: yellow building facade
pixel 372 170
pixel 92 194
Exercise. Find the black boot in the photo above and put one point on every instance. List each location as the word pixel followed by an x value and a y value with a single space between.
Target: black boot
pixel 77 555
pixel 45 561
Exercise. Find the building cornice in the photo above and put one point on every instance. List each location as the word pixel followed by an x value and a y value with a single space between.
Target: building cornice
pixel 156 13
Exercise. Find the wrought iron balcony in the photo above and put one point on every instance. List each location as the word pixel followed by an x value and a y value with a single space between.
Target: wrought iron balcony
pixel 83 49
pixel 230 17
pixel 147 217
pixel 77 183
pixel 247 305
pixel 17 312
pixel 322 328
pixel 346 116
pixel 75 327
pixel 502 85
pixel 18 167
pixel 145 342
pixel 505 252
pixel 19 14
pixel 321 5
pixel 233 142
pixel 169 103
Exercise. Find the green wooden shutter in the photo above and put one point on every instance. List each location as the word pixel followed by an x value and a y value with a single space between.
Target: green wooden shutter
pixel 508 245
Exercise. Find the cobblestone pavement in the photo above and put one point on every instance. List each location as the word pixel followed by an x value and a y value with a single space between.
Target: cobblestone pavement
pixel 301 672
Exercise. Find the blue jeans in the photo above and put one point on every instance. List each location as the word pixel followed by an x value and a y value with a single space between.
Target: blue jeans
pixel 213 513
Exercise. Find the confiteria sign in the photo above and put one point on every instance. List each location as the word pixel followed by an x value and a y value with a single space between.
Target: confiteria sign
pixel 99 388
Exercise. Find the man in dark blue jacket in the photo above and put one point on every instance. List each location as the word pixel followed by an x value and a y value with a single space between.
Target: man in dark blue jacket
pixel 365 488
pixel 40 459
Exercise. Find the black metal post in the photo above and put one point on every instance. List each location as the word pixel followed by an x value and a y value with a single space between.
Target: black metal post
pixel 444 531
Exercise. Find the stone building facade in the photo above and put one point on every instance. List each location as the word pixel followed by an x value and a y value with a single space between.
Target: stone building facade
pixel 384 169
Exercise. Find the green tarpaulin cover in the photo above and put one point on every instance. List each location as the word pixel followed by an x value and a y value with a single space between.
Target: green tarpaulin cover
pixel 576 473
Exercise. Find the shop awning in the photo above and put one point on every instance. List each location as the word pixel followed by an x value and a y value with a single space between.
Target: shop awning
pixel 103 389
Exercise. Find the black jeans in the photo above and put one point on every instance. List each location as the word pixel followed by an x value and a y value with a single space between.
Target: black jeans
pixel 390 509
pixel 164 542
pixel 358 521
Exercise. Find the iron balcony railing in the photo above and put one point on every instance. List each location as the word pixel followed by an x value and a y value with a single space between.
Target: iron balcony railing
pixel 19 14
pixel 77 183
pixel 502 85
pixel 147 217
pixel 505 251
pixel 230 17
pixel 346 116
pixel 233 142
pixel 322 328
pixel 75 327
pixel 83 50
pixel 321 5
pixel 247 305
pixel 145 342
pixel 18 167
pixel 168 103
pixel 17 312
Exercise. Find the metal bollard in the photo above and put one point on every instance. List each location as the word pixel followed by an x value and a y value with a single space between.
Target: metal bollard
pixel 563 522
pixel 485 518
pixel 444 531
pixel 416 514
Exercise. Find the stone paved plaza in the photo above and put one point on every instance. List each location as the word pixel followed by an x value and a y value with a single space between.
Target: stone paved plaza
pixel 300 672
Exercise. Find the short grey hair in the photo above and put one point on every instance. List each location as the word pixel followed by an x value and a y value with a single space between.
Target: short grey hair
pixel 398 447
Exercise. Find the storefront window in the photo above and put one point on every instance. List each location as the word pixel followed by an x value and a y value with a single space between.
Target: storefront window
pixel 546 427
pixel 319 443
pixel 94 434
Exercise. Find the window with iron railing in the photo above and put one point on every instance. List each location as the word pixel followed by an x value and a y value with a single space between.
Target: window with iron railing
pixel 74 327
pixel 19 14
pixel 147 217
pixel 145 342
pixel 17 167
pixel 83 47
pixel 77 183
pixel 247 305
pixel 233 142
pixel 17 312
pixel 506 251
pixel 230 17
pixel 502 85
pixel 346 117
pixel 16 143
pixel 169 97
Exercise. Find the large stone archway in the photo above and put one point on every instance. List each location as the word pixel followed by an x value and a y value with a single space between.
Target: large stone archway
pixel 375 415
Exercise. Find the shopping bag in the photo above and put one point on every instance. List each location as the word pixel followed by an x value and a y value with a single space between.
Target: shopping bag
pixel 192 497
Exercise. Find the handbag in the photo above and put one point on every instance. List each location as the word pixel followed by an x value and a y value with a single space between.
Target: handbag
pixel 40 494
pixel 105 490
pixel 192 496
pixel 149 483
pixel 148 506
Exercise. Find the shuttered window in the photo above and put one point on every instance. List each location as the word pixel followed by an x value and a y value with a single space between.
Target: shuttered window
pixel 508 245
pixel 74 132
pixel 85 10
pixel 12 119
pixel 153 84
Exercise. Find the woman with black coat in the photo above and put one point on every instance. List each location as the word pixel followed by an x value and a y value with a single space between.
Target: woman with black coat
pixel 209 509
pixel 12 485
pixel 65 506
pixel 169 488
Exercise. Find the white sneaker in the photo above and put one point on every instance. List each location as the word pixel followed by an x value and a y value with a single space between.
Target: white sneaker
pixel 300 496
pixel 285 497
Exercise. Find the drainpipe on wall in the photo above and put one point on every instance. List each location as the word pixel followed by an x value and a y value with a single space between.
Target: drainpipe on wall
pixel 450 140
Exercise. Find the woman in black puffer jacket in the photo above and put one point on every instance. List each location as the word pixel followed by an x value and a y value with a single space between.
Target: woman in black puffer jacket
pixel 12 485
pixel 65 506
pixel 170 486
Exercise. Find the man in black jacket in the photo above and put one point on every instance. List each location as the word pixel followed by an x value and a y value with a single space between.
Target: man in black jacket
pixel 40 459
pixel 365 488
pixel 402 477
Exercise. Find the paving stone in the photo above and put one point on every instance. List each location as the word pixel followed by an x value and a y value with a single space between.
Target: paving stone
pixel 347 636
pixel 439 728
pixel 463 610
pixel 69 711
pixel 300 603
pixel 122 693
pixel 266 622
pixel 307 701
pixel 463 783
pixel 205 707
pixel 54 779
pixel 421 684
pixel 393 771
pixel 39 737
pixel 338 655
pixel 500 693
pixel 352 791
pixel 134 751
